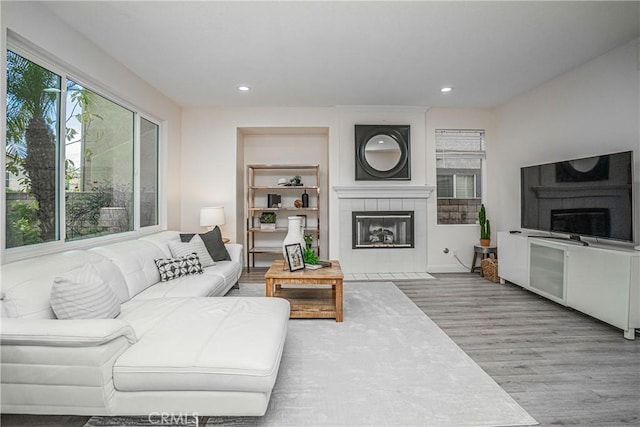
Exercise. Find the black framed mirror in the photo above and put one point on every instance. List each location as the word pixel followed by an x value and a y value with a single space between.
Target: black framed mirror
pixel 382 152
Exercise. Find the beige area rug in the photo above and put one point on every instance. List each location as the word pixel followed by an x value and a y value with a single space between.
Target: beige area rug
pixel 387 364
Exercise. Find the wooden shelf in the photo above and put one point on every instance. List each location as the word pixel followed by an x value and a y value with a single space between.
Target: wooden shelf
pixel 292 208
pixel 284 187
pixel 265 250
pixel 268 250
pixel 309 303
pixel 258 241
pixel 283 167
pixel 280 230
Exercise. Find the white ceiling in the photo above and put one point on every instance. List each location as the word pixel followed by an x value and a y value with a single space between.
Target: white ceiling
pixel 318 53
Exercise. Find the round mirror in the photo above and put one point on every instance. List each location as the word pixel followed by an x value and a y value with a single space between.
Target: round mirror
pixel 382 152
pixel 584 165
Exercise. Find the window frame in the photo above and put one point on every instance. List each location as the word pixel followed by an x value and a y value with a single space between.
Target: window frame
pixel 471 154
pixel 40 57
pixel 455 186
pixel 137 195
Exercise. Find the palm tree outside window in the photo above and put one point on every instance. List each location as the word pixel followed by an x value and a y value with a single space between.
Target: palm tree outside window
pixel 73 178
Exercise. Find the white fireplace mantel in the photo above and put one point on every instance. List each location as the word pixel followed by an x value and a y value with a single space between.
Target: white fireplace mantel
pixel 384 191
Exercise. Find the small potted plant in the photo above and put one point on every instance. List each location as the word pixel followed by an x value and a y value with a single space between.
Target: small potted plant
pixel 485 227
pixel 308 239
pixel 268 221
pixel 310 256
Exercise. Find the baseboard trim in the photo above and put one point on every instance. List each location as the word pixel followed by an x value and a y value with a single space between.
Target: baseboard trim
pixel 446 268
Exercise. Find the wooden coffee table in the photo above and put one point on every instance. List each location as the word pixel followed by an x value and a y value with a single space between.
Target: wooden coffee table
pixel 313 294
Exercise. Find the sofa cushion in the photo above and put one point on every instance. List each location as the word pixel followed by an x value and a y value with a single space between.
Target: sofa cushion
pixel 198 285
pixel 161 239
pixel 213 241
pixel 82 294
pixel 229 343
pixel 27 283
pixel 229 271
pixel 195 245
pixel 135 259
pixel 172 268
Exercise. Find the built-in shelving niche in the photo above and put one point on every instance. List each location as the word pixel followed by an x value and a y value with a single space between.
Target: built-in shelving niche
pixel 278 145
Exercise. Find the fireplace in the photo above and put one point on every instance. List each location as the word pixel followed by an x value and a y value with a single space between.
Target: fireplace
pixel 588 221
pixel 382 229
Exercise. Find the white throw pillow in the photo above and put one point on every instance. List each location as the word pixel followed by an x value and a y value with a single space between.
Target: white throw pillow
pixel 82 294
pixel 195 246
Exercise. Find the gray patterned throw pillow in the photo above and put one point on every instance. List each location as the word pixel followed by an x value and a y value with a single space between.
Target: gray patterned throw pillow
pixel 172 268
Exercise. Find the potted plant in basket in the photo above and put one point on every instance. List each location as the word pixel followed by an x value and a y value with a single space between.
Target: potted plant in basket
pixel 485 227
pixel 268 221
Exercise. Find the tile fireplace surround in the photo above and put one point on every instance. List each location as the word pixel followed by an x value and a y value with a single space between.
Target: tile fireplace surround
pixel 383 198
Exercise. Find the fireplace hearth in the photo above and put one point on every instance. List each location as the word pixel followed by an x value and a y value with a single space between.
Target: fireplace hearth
pixel 382 229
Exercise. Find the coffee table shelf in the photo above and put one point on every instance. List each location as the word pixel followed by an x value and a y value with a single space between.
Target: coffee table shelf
pixel 309 303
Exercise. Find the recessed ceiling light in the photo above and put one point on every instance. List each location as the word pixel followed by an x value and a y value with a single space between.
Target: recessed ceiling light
pixel 244 88
pixel 446 89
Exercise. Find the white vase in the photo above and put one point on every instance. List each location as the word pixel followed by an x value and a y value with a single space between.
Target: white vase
pixel 294 234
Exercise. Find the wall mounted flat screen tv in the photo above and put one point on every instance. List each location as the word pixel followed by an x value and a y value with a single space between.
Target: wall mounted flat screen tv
pixel 590 196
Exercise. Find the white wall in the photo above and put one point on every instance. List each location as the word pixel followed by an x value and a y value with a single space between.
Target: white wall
pixel 591 110
pixel 351 116
pixel 213 163
pixel 459 238
pixel 36 24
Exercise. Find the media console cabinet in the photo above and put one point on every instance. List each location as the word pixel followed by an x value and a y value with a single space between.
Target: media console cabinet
pixel 600 280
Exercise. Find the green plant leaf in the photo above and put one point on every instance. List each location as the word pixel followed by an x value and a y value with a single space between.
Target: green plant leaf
pixel 310 256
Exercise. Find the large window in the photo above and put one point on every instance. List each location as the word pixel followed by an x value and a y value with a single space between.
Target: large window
pixel 459 160
pixel 98 165
pixel 71 157
pixel 32 153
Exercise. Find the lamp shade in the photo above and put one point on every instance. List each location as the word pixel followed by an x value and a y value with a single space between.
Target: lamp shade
pixel 212 216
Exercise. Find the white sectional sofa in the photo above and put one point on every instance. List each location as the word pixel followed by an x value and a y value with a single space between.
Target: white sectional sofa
pixel 177 346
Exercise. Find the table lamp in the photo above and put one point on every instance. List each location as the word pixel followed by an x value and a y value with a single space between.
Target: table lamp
pixel 212 216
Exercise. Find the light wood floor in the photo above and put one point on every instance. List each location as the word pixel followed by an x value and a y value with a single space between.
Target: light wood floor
pixel 561 366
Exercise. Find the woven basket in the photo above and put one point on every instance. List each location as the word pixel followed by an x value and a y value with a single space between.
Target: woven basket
pixel 490 269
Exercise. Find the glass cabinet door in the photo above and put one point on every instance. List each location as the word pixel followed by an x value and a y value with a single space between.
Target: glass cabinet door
pixel 547 271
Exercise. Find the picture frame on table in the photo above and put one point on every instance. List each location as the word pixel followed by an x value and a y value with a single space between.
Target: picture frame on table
pixel 294 256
